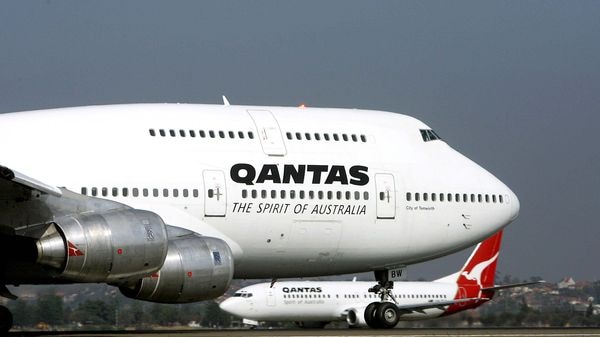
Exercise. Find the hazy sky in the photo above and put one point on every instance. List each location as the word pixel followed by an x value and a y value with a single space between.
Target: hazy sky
pixel 514 85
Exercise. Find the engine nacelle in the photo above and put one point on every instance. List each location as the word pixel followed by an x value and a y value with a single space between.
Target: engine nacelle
pixel 111 246
pixel 355 317
pixel 197 268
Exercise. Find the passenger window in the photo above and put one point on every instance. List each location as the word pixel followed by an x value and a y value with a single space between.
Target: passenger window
pixel 202 133
pixel 162 132
pixel 329 195
pixel 338 195
pixel 449 197
pixel 417 197
pixel 442 197
pixel 115 191
pixel 493 198
pixel 240 135
pixel 363 138
pixel 273 194
pixel 254 194
pixel 221 134
pixel 500 200
pixel 155 192
pixel 356 195
pixel 124 192
pixel 136 192
pixel 381 196
pixel 145 192
pixel 424 196
pixel 317 136
pixel 231 134
pixel 186 193
pixel 152 133
pixel 211 134
pixel 282 194
pixel 408 196
pixel 165 192
pixel 457 197
pixel 307 136
pixel 94 191
pixel 311 194
pixel 465 199
pixel 301 193
pixel 84 191
pixel 244 194
pixel 210 193
pixel 182 133
pixel 263 194
pixel 192 133
pixel 326 136
pixel 289 135
pixel 345 137
pixel 487 198
pixel 292 194
pixel 348 195
pixel 366 195
pixel 479 198
pixel 195 193
pixel 172 133
pixel 298 136
pixel 320 194
pixel 336 137
pixel 250 135
pixel 175 193
pixel 104 191
pixel 354 138
pixel 433 196
pixel 472 197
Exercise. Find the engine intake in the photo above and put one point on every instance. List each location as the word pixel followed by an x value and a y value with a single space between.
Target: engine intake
pixel 197 268
pixel 110 246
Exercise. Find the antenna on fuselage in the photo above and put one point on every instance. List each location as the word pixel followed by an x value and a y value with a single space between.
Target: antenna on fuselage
pixel 225 101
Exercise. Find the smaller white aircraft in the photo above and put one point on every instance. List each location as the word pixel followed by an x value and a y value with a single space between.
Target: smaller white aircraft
pixel 314 304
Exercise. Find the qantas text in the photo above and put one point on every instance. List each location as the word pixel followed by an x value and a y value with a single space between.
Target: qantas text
pixel 327 174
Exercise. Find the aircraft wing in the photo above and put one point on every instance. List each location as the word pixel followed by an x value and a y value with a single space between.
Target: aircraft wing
pixel 419 307
pixel 514 285
pixel 14 183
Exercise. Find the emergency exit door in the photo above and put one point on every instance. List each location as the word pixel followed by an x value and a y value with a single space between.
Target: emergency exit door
pixel 215 193
pixel 386 196
pixel 268 132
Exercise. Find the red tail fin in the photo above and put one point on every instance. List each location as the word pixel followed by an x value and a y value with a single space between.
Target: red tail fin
pixel 478 273
pixel 480 268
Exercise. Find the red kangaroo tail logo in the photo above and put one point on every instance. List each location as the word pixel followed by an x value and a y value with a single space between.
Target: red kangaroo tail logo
pixel 477 273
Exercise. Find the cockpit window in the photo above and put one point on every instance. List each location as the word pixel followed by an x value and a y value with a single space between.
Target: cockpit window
pixel 242 295
pixel 429 135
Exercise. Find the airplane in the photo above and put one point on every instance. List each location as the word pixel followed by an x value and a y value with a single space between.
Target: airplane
pixel 314 304
pixel 170 202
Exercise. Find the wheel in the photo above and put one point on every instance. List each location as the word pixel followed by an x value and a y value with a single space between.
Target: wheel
pixel 387 315
pixel 370 311
pixel 6 320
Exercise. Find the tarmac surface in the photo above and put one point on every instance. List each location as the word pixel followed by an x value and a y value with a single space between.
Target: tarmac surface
pixel 534 332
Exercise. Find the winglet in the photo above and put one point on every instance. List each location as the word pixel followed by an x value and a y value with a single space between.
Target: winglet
pixel 225 101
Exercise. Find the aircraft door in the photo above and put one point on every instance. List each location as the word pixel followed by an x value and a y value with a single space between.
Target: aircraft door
pixel 215 193
pixel 268 132
pixel 271 297
pixel 386 196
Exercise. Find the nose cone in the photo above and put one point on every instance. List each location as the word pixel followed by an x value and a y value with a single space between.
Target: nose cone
pixel 515 206
pixel 232 306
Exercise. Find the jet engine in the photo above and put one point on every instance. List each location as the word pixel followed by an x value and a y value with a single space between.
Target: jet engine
pixel 197 268
pixel 355 318
pixel 110 246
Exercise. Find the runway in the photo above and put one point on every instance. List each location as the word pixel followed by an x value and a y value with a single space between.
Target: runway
pixel 534 332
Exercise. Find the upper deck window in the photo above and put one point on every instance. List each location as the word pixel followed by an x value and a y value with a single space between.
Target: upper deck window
pixel 429 135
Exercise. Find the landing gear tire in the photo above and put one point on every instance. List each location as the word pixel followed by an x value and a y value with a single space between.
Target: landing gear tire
pixel 386 315
pixel 370 312
pixel 6 319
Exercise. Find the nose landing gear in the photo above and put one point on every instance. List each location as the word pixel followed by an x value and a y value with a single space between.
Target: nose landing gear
pixel 384 314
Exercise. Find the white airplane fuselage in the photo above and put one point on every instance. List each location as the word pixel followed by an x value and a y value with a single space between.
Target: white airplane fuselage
pixel 288 198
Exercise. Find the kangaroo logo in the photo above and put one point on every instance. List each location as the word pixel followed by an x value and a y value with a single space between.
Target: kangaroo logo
pixel 475 273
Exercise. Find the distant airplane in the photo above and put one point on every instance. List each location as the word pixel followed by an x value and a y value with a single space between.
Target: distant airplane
pixel 315 304
pixel 169 202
